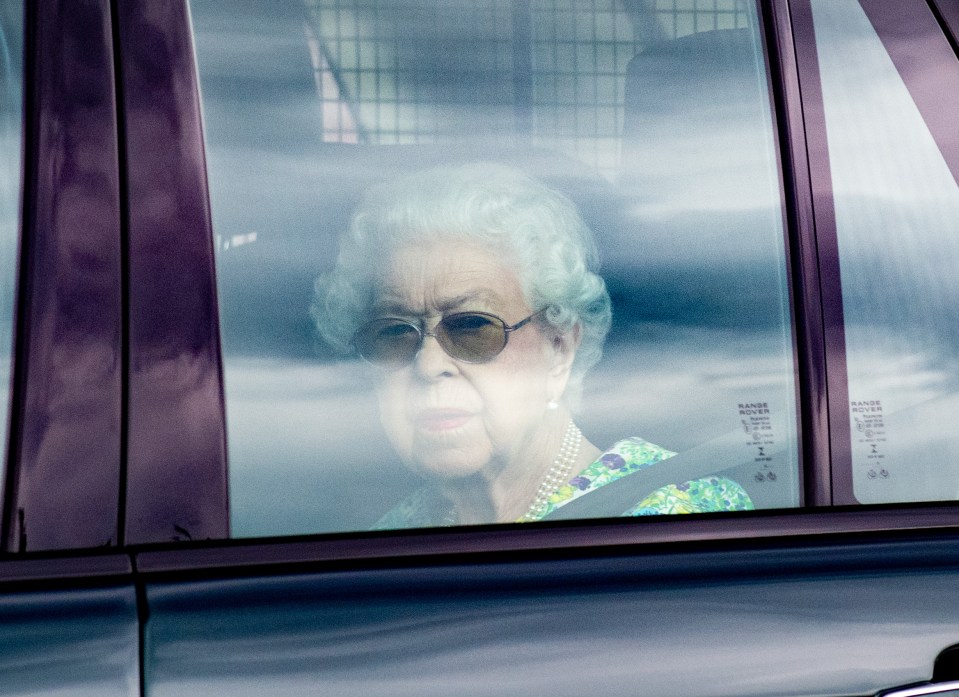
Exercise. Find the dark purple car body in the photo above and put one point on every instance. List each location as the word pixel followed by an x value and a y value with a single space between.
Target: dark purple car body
pixel 118 577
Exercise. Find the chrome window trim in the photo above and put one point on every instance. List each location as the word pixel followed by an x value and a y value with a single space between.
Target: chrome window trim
pixel 927 689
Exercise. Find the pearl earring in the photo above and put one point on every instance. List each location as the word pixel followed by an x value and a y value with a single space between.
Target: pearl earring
pixel 552 405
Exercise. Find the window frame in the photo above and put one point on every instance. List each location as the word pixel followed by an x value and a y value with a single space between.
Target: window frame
pixel 810 437
pixel 175 418
pixel 786 33
pixel 63 319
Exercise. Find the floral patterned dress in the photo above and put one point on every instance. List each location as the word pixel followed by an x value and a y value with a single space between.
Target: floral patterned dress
pixel 426 507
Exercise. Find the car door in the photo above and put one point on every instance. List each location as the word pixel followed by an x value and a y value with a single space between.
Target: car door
pixel 776 282
pixel 798 602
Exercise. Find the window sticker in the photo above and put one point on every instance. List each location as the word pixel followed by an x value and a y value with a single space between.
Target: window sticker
pixel 869 437
pixel 758 426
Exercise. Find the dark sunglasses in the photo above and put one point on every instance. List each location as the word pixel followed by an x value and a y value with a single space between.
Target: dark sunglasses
pixel 471 337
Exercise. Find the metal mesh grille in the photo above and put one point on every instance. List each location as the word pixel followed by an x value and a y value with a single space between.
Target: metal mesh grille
pixel 547 72
pixel 683 17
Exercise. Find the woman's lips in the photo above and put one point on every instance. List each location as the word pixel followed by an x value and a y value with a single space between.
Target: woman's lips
pixel 442 419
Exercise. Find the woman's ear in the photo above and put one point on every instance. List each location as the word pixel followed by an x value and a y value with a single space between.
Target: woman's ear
pixel 564 353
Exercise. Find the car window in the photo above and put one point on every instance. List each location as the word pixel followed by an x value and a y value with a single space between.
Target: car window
pixel 525 217
pixel 11 106
pixel 896 201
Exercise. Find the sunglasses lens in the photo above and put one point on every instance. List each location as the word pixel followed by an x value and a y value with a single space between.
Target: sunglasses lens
pixel 388 342
pixel 474 337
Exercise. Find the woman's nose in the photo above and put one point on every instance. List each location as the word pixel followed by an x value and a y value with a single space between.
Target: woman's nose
pixel 431 361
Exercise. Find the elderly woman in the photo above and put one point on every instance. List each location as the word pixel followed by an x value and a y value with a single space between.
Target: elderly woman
pixel 471 293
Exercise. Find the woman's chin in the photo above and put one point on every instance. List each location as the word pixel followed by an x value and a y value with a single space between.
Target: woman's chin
pixel 450 464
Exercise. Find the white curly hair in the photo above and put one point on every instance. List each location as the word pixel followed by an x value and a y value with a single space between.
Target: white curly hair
pixel 512 213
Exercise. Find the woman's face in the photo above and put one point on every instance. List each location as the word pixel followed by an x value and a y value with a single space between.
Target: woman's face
pixel 453 419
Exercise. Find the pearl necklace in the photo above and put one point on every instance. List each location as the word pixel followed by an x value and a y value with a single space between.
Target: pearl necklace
pixel 557 475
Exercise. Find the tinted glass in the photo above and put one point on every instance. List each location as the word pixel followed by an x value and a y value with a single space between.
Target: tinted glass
pixel 11 106
pixel 896 206
pixel 650 121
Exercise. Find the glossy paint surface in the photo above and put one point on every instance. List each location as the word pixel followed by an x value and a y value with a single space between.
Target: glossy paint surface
pixel 787 617
pixel 64 484
pixel 176 462
pixel 71 641
pixel 813 620
pixel 948 14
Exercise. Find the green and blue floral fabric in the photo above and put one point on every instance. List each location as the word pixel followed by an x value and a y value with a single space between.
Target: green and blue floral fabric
pixel 427 508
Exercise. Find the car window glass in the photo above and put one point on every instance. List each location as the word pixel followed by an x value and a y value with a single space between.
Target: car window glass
pixel 11 78
pixel 896 203
pixel 646 124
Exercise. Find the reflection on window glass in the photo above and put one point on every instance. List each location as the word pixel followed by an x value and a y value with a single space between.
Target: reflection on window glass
pixel 481 259
pixel 11 76
pixel 896 205
pixel 535 71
